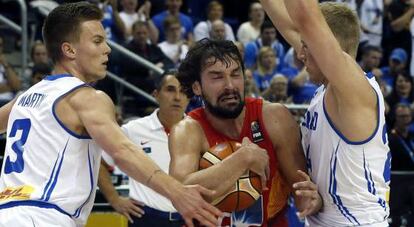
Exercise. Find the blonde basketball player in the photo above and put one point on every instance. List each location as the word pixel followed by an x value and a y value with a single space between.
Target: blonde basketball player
pixel 51 161
pixel 343 134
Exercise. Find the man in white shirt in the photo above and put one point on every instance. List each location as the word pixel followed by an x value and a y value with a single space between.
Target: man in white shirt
pixel 151 133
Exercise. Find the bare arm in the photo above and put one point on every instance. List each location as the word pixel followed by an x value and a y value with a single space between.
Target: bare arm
pixel 276 10
pixel 13 81
pixel 186 153
pixel 97 114
pixel 118 20
pixel 348 89
pixel 403 21
pixel 284 133
pixel 4 115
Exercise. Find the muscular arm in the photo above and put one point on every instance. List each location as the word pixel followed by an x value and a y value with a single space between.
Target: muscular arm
pixel 186 144
pixel 348 89
pixel 284 133
pixel 276 10
pixel 97 115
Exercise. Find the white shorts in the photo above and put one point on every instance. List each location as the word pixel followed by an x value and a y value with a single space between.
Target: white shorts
pixel 27 216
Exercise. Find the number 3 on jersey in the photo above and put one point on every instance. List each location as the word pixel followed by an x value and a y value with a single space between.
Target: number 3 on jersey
pixel 18 165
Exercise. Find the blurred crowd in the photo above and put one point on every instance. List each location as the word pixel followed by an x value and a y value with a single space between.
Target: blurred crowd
pixel 162 31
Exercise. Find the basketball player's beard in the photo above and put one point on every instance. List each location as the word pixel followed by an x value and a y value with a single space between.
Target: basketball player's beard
pixel 223 112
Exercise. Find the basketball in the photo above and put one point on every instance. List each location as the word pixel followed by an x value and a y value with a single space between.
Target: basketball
pixel 245 191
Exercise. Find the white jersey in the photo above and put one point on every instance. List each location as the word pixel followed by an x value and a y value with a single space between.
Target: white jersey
pixel 352 177
pixel 46 165
pixel 149 133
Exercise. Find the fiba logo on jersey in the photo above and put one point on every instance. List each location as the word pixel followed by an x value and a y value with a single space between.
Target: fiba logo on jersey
pixel 256 133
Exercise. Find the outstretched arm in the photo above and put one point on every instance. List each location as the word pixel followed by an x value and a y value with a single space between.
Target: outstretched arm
pixel 97 114
pixel 276 10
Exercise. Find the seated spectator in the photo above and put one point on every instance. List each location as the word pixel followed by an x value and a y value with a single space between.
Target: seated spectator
pixel 278 90
pixel 292 65
pixel 204 28
pixel 402 92
pixel 174 47
pixel 371 59
pixel 266 68
pixel 173 9
pixel 401 140
pixel 267 38
pixel 130 15
pixel 302 89
pixel 135 73
pixel 9 81
pixel 401 143
pixel 218 30
pixel 38 55
pixel 250 86
pixel 250 30
pixel 396 64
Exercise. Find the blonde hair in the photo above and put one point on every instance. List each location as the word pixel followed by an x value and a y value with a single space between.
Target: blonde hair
pixel 264 50
pixel 344 24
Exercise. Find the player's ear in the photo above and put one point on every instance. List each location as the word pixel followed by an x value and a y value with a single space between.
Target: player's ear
pixel 196 88
pixel 68 50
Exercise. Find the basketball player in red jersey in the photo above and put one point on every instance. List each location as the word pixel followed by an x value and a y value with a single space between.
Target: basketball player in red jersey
pixel 268 132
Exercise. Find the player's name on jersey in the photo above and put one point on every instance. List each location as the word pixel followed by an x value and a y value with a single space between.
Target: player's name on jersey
pixel 32 100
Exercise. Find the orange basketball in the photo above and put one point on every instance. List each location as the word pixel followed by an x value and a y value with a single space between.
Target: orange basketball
pixel 245 191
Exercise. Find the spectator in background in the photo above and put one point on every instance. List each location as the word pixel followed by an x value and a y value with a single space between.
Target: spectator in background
pixel 250 30
pixel 371 58
pixel 398 20
pixel 267 38
pixel 139 75
pixel 401 140
pixel 130 15
pixel 38 55
pixel 402 92
pixel 396 64
pixel 174 47
pixel 204 28
pixel 9 81
pixel 218 30
pixel 278 90
pixel 112 22
pixel 250 88
pixel 266 68
pixel 173 9
pixel 371 17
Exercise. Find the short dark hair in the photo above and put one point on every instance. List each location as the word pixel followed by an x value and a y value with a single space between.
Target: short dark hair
pixel 63 25
pixel 196 60
pixel 170 20
pixel 137 24
pixel 159 82
pixel 265 25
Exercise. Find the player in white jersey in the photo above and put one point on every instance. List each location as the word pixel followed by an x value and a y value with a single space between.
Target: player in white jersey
pixel 151 132
pixel 343 134
pixel 51 160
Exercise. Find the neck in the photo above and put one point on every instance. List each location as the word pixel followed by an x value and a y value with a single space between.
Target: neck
pixel 66 68
pixel 173 12
pixel 168 120
pixel 129 11
pixel 228 127
pixel 256 23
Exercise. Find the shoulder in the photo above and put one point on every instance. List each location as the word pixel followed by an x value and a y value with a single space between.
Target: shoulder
pixel 201 25
pixel 88 97
pixel 277 116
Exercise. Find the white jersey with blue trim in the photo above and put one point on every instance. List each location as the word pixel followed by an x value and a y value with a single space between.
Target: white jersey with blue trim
pixel 352 177
pixel 46 164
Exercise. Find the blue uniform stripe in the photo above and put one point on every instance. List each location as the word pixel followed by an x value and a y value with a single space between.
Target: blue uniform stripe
pixel 57 174
pixel 50 179
pixel 371 183
pixel 78 211
pixel 308 160
pixel 332 190
pixel 34 203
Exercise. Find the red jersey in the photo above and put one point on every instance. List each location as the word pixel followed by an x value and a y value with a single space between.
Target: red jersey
pixel 270 206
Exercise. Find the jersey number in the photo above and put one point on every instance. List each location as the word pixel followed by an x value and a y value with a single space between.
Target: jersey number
pixel 18 165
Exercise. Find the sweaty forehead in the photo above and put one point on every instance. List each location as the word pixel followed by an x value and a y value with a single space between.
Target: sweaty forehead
pixel 222 65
